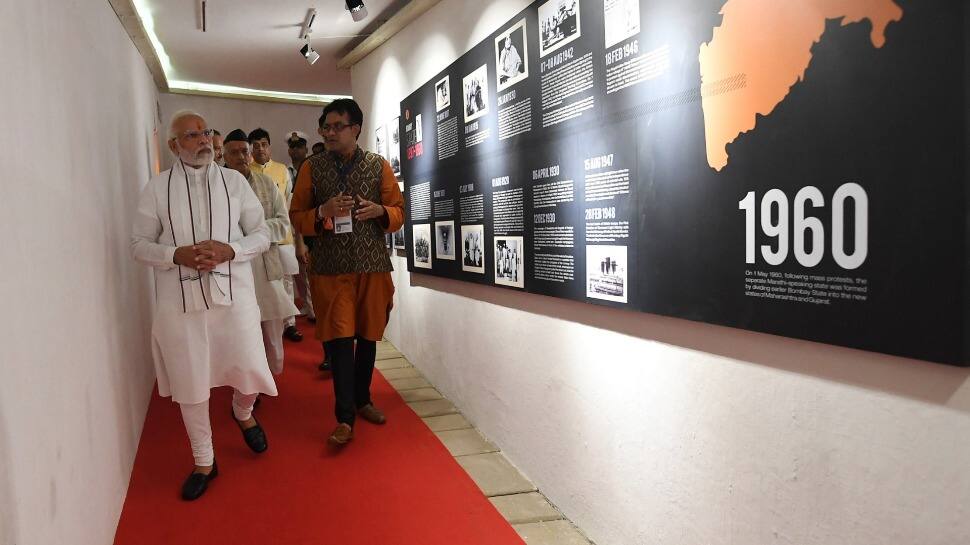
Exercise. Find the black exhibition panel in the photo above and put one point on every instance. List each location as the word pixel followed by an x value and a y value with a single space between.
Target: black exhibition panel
pixel 795 168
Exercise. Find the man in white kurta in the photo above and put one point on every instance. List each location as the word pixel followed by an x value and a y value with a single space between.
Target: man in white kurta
pixel 275 305
pixel 199 226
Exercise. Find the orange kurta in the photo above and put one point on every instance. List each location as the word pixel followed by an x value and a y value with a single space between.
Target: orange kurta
pixel 355 304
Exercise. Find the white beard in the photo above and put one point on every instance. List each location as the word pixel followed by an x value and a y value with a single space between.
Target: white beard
pixel 198 159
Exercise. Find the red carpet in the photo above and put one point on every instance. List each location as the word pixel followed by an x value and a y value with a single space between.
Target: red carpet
pixel 393 484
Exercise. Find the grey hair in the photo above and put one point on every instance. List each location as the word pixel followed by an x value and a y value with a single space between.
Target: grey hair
pixel 178 116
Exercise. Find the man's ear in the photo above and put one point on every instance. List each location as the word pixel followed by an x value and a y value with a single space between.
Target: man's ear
pixel 172 145
pixel 320 132
pixel 357 137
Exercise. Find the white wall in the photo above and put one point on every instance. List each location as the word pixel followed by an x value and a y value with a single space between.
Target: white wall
pixel 645 429
pixel 78 121
pixel 226 114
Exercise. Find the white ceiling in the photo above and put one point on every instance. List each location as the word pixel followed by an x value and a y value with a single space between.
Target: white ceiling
pixel 255 43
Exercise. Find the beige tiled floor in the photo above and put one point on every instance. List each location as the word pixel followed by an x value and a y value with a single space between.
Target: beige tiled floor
pixel 400 373
pixel 525 508
pixel 392 363
pixel 415 383
pixel 559 532
pixel 465 442
pixel 422 394
pixel 495 475
pixel 437 407
pixel 536 520
pixel 447 422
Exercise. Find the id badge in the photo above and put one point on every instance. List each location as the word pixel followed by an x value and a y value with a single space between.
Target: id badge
pixel 343 225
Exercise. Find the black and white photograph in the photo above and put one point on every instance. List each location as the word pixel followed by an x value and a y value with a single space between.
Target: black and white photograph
pixel 388 240
pixel 558 24
pixel 422 246
pixel 444 233
pixel 442 93
pixel 381 138
pixel 473 248
pixel 606 273
pixel 394 143
pixel 417 129
pixel 475 87
pixel 511 56
pixel 622 20
pixel 509 261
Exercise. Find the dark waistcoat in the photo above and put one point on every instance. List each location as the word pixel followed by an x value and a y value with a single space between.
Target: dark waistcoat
pixel 362 251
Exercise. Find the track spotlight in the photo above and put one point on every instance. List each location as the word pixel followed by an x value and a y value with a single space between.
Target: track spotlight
pixel 357 9
pixel 309 54
pixel 311 15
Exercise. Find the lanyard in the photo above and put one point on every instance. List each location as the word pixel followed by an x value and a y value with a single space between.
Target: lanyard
pixel 344 170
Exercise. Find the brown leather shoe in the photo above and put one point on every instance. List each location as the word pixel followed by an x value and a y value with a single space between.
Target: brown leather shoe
pixel 341 435
pixel 371 414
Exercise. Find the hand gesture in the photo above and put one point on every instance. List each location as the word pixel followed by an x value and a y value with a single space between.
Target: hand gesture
pixel 367 210
pixel 204 256
pixel 341 205
pixel 220 251
pixel 187 256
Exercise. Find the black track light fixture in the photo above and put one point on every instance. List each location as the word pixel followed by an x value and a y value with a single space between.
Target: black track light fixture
pixel 309 54
pixel 357 9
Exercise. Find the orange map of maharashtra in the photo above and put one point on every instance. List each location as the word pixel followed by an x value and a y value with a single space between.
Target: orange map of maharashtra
pixel 769 42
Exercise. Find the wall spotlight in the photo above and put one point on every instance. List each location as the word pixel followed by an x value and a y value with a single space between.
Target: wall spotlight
pixel 309 54
pixel 357 9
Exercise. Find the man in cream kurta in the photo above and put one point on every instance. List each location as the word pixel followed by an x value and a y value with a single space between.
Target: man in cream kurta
pixel 276 171
pixel 274 303
pixel 198 226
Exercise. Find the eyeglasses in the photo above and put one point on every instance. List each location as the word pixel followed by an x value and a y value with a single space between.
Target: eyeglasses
pixel 195 135
pixel 336 127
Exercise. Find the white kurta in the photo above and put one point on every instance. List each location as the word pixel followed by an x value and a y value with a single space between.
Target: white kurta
pixel 206 329
pixel 274 302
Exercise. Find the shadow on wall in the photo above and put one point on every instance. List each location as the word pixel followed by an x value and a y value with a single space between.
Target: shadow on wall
pixel 8 515
pixel 915 379
pixel 129 303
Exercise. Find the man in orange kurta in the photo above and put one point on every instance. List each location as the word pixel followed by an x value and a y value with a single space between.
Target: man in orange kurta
pixel 348 198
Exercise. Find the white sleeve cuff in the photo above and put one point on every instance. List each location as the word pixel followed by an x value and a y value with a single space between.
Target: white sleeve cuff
pixel 237 252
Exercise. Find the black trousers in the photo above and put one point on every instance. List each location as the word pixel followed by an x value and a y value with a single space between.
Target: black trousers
pixel 353 370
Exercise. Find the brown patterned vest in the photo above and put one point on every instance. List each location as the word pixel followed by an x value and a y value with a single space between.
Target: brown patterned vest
pixel 363 250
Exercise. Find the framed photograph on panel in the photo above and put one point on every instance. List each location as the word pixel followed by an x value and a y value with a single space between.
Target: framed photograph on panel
pixel 622 20
pixel 381 139
pixel 444 233
pixel 509 261
pixel 475 86
pixel 606 273
pixel 394 143
pixel 422 246
pixel 473 248
pixel 511 56
pixel 442 93
pixel 558 24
